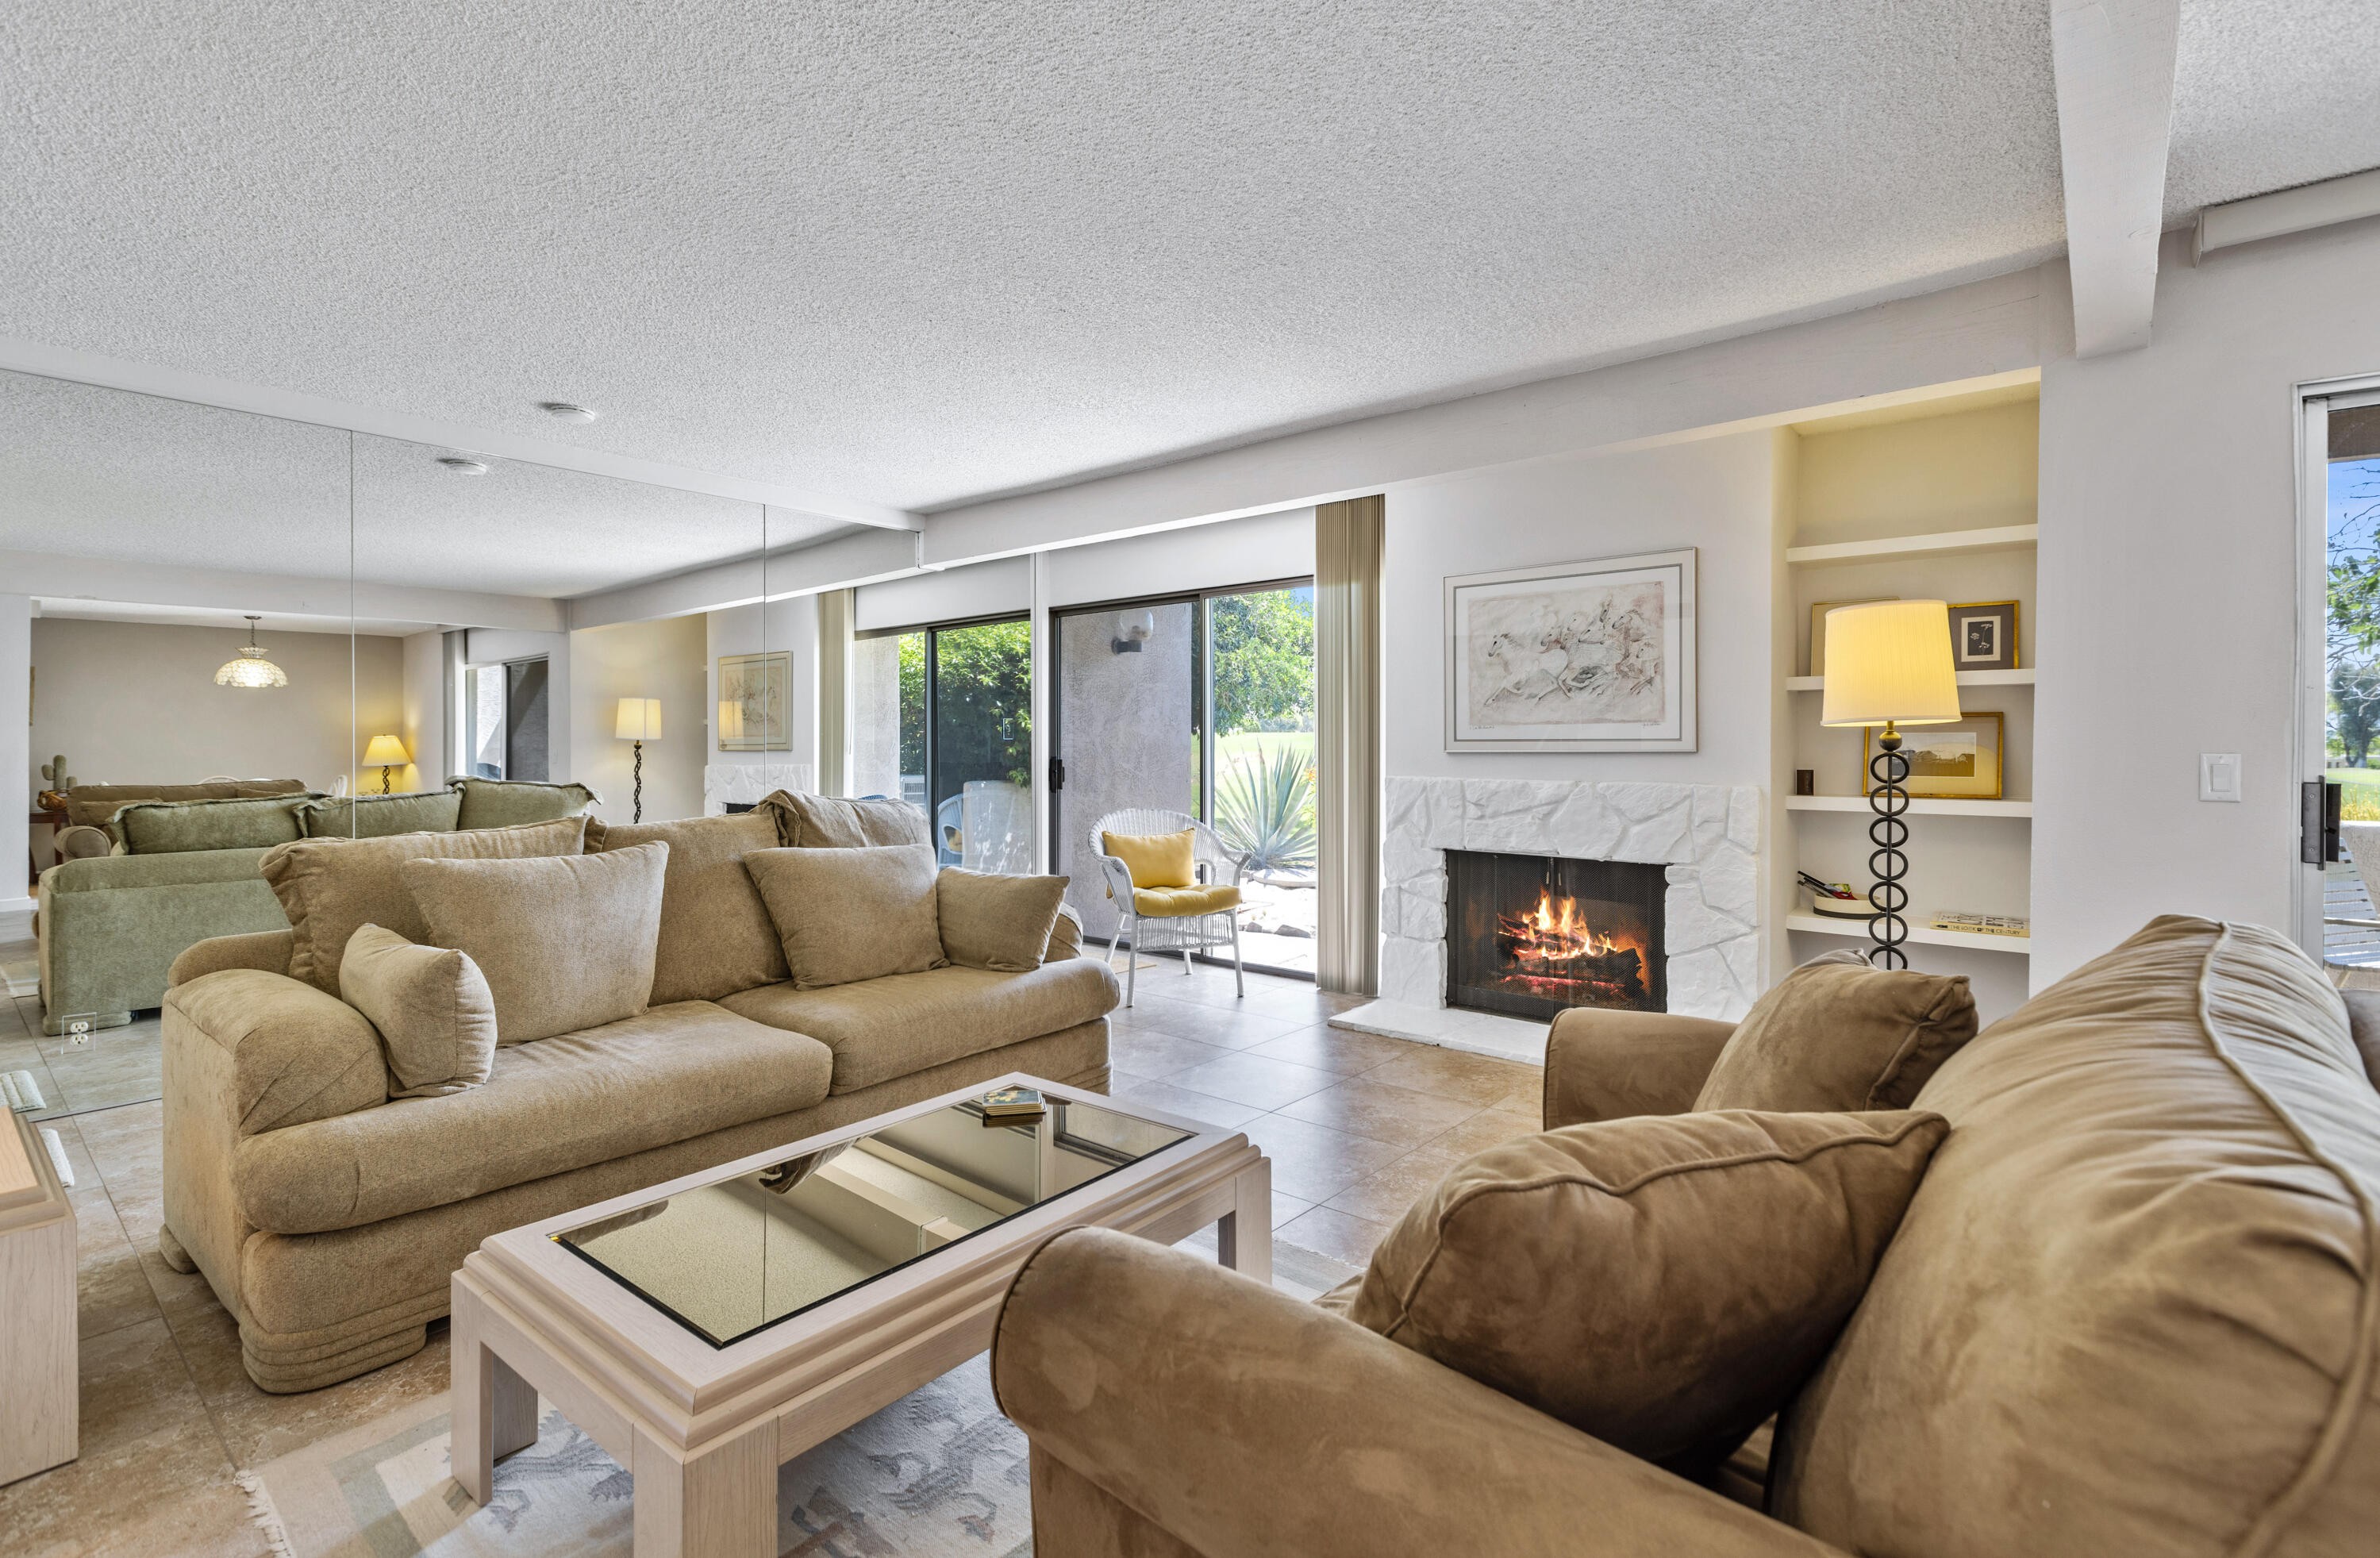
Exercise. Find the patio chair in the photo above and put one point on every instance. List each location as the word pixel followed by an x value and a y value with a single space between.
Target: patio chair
pixel 1201 918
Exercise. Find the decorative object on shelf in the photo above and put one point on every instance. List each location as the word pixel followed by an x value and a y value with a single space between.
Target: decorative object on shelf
pixel 640 721
pixel 755 694
pixel 1892 667
pixel 1957 761
pixel 1818 610
pixel 1806 781
pixel 53 774
pixel 1967 924
pixel 386 752
pixel 1593 656
pixel 251 669
pixel 1982 635
pixel 1835 899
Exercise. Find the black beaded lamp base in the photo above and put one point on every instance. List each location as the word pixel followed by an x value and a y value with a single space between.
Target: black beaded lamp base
pixel 1885 862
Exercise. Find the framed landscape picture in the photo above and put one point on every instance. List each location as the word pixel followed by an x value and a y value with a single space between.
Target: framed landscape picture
pixel 756 703
pixel 1580 657
pixel 1959 760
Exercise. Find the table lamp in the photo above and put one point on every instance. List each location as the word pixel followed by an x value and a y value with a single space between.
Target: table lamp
pixel 640 721
pixel 1888 663
pixel 388 752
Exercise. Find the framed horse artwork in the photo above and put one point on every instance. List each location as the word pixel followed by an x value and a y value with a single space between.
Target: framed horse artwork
pixel 1580 657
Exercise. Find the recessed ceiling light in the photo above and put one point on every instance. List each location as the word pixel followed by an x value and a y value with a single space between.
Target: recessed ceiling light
pixel 563 410
pixel 464 466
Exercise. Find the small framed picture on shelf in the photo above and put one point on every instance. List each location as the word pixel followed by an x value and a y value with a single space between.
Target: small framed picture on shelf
pixel 1818 610
pixel 1959 760
pixel 1982 635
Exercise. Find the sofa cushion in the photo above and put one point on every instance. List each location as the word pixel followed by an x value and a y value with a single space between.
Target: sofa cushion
pixel 95 805
pixel 672 1074
pixel 432 1006
pixel 1155 860
pixel 2131 1308
pixel 1178 903
pixel 888 1027
pixel 329 887
pixel 179 827
pixel 809 821
pixel 433 811
pixel 988 921
pixel 510 803
pixel 716 934
pixel 565 943
pixel 1661 1282
pixel 1838 1034
pixel 847 915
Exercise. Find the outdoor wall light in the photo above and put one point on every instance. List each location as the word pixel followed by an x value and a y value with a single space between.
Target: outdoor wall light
pixel 1135 626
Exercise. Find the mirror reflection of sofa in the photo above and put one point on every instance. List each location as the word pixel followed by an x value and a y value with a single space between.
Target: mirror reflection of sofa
pixel 145 873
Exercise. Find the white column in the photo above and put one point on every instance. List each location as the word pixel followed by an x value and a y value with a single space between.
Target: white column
pixel 16 745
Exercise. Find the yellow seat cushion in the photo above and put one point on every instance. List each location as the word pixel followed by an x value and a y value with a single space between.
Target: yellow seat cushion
pixel 1173 902
pixel 1154 859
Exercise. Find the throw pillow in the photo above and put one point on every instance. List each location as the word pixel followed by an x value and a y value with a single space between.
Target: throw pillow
pixel 1154 859
pixel 809 821
pixel 566 943
pixel 178 827
pixel 1662 1282
pixel 716 934
pixel 847 915
pixel 510 803
pixel 330 887
pixel 380 816
pixel 1838 1034
pixel 437 1020
pixel 1001 923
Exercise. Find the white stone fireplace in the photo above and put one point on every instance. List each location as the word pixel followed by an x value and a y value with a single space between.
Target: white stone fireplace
pixel 1707 837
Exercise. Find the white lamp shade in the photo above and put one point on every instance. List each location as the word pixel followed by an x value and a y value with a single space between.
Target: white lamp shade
pixel 385 751
pixel 1889 662
pixel 640 718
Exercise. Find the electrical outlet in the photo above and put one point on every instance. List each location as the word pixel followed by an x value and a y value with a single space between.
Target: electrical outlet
pixel 2218 776
pixel 79 1028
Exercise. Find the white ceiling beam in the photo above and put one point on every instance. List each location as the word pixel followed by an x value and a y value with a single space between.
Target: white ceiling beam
pixel 862 557
pixel 2114 61
pixel 173 384
pixel 55 577
pixel 2300 210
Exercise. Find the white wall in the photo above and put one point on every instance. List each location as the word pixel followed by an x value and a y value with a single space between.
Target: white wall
pixel 423 715
pixel 16 660
pixel 2168 571
pixel 1715 494
pixel 663 659
pixel 131 703
pixel 948 595
pixel 1251 551
pixel 790 624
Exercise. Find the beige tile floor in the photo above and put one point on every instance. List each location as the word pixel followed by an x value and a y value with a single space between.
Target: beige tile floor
pixel 1356 1128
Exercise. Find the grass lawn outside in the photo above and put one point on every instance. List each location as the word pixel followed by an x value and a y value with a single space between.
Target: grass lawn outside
pixel 2359 798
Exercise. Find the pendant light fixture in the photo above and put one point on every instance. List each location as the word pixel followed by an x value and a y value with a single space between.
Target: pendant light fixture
pixel 251 669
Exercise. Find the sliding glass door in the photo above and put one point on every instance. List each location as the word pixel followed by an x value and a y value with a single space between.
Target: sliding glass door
pixel 1204 705
pixel 942 717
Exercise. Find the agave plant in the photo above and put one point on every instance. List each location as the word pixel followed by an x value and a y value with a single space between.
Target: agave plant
pixel 1263 807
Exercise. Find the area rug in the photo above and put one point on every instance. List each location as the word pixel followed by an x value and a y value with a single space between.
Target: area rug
pixel 936 1473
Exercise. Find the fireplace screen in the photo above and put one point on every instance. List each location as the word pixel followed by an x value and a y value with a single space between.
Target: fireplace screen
pixel 1531 935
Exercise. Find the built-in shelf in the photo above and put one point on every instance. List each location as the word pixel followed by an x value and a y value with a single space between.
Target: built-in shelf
pixel 2019 945
pixel 1966 678
pixel 1916 807
pixel 1942 543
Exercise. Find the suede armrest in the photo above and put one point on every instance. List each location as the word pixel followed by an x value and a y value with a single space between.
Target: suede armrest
pixel 1608 1066
pixel 1066 936
pixel 268 950
pixel 2363 1023
pixel 80 843
pixel 1242 1421
pixel 295 1054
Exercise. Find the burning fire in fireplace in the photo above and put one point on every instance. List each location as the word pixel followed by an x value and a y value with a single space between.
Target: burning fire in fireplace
pixel 1552 946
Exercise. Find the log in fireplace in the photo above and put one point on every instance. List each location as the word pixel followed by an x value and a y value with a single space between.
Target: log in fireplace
pixel 1532 935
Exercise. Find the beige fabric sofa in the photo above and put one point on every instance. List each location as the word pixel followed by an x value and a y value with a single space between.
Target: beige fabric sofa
pixel 2131 1309
pixel 329 1217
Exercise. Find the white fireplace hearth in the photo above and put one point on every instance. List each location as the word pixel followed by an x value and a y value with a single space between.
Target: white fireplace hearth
pixel 1709 837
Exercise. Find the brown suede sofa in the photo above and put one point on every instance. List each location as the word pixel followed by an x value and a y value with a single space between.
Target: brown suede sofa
pixel 328 1216
pixel 2132 1309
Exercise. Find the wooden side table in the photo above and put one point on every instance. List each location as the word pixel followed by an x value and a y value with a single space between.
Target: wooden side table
pixel 39 1427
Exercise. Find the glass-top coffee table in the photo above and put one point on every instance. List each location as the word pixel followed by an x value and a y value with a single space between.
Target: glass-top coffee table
pixel 707 1330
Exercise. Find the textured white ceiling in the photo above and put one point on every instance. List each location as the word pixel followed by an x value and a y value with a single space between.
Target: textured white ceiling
pixel 923 251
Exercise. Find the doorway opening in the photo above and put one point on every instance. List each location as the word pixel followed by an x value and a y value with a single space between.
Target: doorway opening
pixel 505 721
pixel 942 718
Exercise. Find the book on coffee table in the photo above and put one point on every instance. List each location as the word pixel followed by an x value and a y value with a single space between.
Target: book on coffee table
pixel 1012 1103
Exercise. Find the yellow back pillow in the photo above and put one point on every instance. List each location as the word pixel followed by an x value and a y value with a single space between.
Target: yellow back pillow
pixel 1154 859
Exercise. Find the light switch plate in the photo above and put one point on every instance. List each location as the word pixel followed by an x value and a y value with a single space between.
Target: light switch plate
pixel 2218 776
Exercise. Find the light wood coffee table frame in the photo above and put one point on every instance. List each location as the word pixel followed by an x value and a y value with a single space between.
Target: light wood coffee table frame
pixel 704 1429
